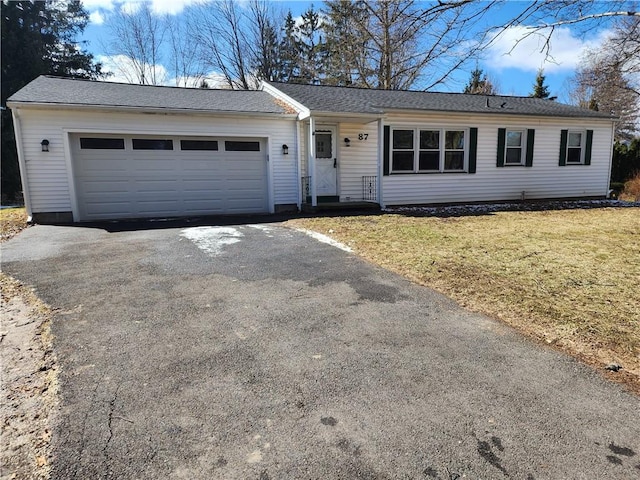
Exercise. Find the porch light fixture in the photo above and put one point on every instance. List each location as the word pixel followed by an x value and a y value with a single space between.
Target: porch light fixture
pixel 45 145
pixel 347 142
pixel 285 150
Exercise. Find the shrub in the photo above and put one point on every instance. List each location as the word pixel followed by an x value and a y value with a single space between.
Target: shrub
pixel 631 190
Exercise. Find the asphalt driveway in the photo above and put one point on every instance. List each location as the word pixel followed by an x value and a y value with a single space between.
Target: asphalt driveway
pixel 255 351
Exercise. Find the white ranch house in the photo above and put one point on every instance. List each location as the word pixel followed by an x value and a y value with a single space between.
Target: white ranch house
pixel 92 151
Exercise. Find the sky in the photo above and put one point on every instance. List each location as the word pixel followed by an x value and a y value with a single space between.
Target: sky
pixel 512 68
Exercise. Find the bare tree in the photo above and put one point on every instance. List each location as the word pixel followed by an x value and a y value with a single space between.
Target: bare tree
pixel 609 78
pixel 222 36
pixel 586 15
pixel 136 44
pixel 266 30
pixel 185 65
pixel 399 44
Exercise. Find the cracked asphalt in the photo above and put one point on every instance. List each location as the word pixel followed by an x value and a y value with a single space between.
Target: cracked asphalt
pixel 258 352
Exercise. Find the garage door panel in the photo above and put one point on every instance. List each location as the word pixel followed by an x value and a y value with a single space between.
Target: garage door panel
pixel 104 209
pixel 105 166
pixel 148 183
pixel 159 186
pixel 105 187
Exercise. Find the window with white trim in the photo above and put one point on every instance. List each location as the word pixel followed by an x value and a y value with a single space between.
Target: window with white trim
pixel 514 151
pixel 575 146
pixel 417 150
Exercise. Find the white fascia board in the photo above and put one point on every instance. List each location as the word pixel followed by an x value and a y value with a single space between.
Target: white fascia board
pixel 372 117
pixel 152 110
pixel 303 112
pixel 508 115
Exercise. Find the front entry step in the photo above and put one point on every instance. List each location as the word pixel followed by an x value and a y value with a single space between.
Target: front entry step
pixel 341 207
pixel 325 199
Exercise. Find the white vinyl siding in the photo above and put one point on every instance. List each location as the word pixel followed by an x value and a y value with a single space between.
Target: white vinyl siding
pixel 545 179
pixel 48 175
pixel 359 159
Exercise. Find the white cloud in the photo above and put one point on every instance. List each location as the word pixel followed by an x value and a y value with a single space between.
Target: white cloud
pixel 158 7
pixel 522 48
pixel 172 7
pixel 96 18
pixel 122 69
pixel 130 8
pixel 98 4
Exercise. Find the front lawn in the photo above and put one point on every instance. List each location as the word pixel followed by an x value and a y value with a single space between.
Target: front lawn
pixel 570 278
pixel 12 222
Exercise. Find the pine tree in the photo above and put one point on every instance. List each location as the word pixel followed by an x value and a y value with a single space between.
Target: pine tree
pixel 346 43
pixel 37 38
pixel 311 47
pixel 540 90
pixel 479 84
pixel 290 51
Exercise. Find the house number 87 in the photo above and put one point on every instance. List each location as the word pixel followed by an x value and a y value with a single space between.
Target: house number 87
pixel 363 136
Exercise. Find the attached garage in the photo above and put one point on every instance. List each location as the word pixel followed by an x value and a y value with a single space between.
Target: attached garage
pixel 125 176
pixel 93 151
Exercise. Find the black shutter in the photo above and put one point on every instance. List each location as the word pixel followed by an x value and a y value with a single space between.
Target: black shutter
pixel 563 147
pixel 502 135
pixel 531 135
pixel 587 150
pixel 387 142
pixel 473 149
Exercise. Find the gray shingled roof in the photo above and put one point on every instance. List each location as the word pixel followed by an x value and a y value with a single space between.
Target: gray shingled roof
pixel 360 100
pixel 66 91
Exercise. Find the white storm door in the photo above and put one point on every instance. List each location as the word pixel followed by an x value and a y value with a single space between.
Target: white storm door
pixel 326 162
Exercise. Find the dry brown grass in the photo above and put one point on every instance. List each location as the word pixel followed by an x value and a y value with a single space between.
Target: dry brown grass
pixel 631 192
pixel 569 278
pixel 12 222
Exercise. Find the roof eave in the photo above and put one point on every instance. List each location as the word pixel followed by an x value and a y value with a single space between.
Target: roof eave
pixel 361 115
pixel 497 112
pixel 143 109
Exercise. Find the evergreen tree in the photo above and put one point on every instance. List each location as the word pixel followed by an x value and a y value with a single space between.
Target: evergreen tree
pixel 37 38
pixel 540 90
pixel 479 84
pixel 346 45
pixel 311 47
pixel 290 51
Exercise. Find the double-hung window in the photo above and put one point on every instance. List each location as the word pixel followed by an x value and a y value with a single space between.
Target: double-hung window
pixel 575 147
pixel 514 154
pixel 428 150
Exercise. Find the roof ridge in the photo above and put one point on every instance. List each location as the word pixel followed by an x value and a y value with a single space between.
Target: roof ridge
pixel 90 80
pixel 354 87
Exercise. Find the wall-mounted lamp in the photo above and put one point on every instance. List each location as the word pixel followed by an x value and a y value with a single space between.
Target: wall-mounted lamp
pixel 347 142
pixel 285 150
pixel 45 145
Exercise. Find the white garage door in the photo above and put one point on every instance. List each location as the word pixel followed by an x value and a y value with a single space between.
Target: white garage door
pixel 139 176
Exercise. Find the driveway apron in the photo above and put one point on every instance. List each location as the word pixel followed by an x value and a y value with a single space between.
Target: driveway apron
pixel 255 351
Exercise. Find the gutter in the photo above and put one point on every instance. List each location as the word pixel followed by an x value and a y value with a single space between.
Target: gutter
pixel 500 112
pixel 142 109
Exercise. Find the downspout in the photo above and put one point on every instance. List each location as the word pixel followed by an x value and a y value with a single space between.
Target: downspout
pixel 312 161
pixel 299 163
pixel 608 187
pixel 380 161
pixel 22 163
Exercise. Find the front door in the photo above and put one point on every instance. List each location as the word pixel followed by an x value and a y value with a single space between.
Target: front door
pixel 326 162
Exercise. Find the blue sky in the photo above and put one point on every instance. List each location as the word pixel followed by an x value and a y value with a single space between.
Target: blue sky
pixel 512 71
